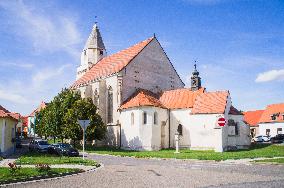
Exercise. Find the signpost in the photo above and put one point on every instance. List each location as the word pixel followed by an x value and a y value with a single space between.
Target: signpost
pixel 221 122
pixel 84 124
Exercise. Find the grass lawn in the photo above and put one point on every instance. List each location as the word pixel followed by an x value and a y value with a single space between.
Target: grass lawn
pixel 30 172
pixel 280 161
pixel 57 140
pixel 40 158
pixel 255 151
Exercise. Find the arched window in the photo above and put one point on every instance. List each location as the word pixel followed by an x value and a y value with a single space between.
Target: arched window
pixel 96 98
pixel 144 118
pixel 110 105
pixel 155 118
pixel 132 118
pixel 179 130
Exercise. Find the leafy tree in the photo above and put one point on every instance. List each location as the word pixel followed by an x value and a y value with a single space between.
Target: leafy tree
pixel 60 117
pixel 84 109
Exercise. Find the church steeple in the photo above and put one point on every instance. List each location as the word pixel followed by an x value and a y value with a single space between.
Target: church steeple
pixel 195 80
pixel 93 51
pixel 95 40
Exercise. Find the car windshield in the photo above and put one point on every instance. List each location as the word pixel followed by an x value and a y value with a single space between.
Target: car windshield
pixel 65 146
pixel 42 142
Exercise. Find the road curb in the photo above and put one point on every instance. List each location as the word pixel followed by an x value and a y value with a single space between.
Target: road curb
pixel 42 179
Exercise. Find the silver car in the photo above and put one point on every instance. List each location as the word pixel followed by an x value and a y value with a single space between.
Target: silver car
pixel 38 145
pixel 261 138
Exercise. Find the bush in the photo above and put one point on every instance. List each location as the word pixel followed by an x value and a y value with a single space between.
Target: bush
pixel 13 168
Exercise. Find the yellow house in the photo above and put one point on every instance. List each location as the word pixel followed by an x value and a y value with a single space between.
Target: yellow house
pixel 8 123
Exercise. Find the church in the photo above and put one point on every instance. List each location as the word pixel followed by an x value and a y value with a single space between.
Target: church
pixel 144 103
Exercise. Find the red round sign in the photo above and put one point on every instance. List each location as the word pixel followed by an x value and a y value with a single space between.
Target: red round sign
pixel 221 121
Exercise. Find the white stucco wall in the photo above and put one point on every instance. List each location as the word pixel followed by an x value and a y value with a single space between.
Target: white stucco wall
pixel 243 139
pixel 140 136
pixel 7 132
pixel 272 126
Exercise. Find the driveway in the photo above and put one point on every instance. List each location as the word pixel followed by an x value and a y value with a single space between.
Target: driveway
pixel 130 172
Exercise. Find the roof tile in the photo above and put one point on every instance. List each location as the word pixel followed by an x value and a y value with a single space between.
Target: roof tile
pixel 277 109
pixel 210 103
pixel 252 117
pixel 112 64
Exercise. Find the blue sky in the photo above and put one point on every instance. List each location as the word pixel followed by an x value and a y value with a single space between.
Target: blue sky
pixel 239 44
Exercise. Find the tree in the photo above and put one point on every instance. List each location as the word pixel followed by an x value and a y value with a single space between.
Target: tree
pixel 84 109
pixel 60 118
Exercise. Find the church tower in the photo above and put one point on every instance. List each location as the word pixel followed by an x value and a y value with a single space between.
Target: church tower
pixel 195 80
pixel 92 53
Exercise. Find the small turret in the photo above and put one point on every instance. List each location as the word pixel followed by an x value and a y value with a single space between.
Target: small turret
pixel 195 80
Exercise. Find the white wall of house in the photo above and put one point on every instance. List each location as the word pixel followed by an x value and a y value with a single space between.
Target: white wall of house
pixel 273 128
pixel 181 116
pixel 205 134
pixel 7 133
pixel 140 136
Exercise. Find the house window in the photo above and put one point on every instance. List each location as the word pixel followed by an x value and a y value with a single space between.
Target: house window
pixel 236 129
pixel 96 98
pixel 101 52
pixel 279 130
pixel 110 105
pixel 283 116
pixel 132 118
pixel 179 129
pixel 155 118
pixel 273 117
pixel 268 132
pixel 144 118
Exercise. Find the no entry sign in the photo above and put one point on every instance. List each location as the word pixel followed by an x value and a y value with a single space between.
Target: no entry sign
pixel 221 122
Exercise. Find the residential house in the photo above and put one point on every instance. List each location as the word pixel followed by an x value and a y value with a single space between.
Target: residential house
pixel 8 123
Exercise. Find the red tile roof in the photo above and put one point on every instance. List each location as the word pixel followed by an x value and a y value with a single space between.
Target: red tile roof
pixel 41 106
pixel 211 103
pixel 113 63
pixel 4 113
pixel 180 98
pixel 273 109
pixel 142 98
pixel 252 117
pixel 200 101
pixel 15 115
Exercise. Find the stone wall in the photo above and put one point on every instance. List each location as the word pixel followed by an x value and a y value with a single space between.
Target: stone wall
pixel 151 70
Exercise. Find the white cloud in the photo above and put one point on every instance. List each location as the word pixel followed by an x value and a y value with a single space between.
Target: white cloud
pixel 45 31
pixel 49 73
pixel 12 97
pixel 270 76
pixel 17 65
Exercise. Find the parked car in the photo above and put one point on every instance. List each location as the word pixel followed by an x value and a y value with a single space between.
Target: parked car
pixel 63 149
pixel 52 148
pixel 278 138
pixel 38 145
pixel 261 138
pixel 18 143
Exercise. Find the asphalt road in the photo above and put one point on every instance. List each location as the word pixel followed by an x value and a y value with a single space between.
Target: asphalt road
pixel 130 172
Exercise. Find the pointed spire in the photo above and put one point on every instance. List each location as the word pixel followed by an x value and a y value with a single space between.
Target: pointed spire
pixel 95 39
